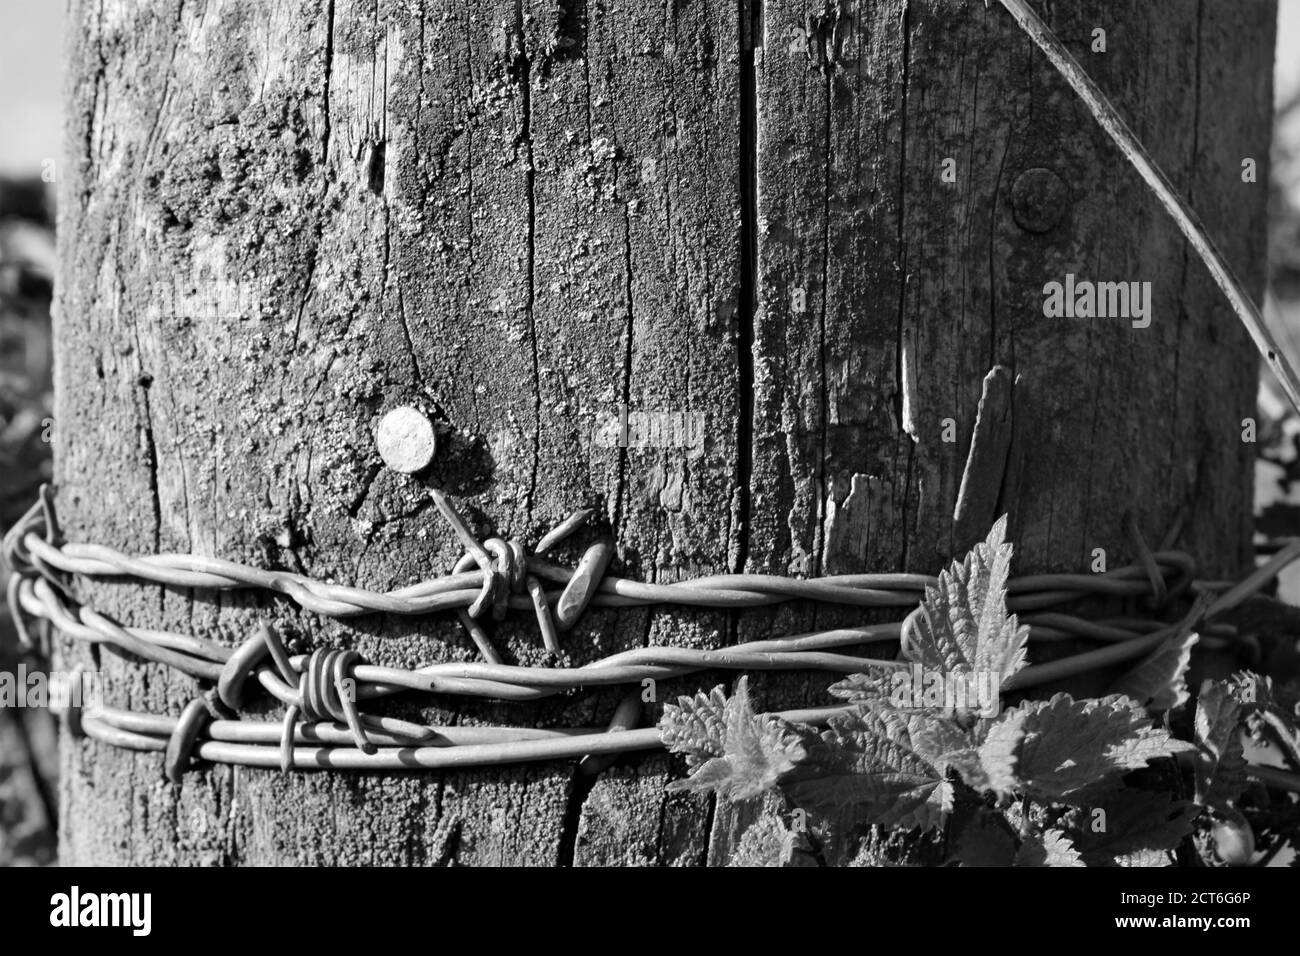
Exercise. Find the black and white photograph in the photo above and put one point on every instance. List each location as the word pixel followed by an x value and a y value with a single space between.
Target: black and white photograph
pixel 651 433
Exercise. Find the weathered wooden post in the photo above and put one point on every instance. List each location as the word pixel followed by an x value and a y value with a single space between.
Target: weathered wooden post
pixel 805 231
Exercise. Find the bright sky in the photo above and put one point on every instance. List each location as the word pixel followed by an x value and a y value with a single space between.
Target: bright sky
pixel 31 56
pixel 31 80
pixel 1287 71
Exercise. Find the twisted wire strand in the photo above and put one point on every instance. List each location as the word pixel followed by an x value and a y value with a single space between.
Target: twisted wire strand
pixel 324 727
pixel 462 589
pixel 204 659
pixel 246 743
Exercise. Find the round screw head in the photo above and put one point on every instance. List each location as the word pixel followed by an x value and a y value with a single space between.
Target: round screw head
pixel 406 440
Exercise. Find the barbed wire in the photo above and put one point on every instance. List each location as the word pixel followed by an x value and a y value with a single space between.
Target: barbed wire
pixel 323 725
pixel 316 746
pixel 321 690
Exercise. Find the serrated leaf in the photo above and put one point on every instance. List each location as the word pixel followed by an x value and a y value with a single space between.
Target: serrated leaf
pixel 937 738
pixel 860 688
pixel 1133 820
pixel 889 765
pixel 737 754
pixel 766 842
pixel 1067 745
pixel 1158 681
pixel 1052 849
pixel 1221 759
pixel 997 757
pixel 696 726
pixel 964 625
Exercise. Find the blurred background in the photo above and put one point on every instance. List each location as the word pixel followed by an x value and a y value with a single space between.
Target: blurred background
pixel 31 45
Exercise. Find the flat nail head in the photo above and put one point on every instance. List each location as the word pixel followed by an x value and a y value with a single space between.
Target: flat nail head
pixel 406 440
pixel 1039 199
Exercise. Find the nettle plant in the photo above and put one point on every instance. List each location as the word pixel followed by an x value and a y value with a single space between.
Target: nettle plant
pixel 1058 782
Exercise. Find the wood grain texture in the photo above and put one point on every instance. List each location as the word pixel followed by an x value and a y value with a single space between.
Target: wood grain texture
pixel 986 463
pixel 279 220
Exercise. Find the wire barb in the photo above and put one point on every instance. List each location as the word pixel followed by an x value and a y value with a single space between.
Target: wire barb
pixel 324 724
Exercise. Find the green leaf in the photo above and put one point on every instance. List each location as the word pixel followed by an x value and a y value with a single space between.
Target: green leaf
pixel 1158 681
pixel 1067 745
pixel 731 750
pixel 768 842
pixel 1128 821
pixel 1052 849
pixel 860 688
pixel 997 756
pixel 964 625
pixel 696 726
pixel 1221 760
pixel 889 765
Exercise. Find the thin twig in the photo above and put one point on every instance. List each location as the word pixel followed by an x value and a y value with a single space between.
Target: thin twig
pixel 1187 220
